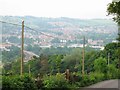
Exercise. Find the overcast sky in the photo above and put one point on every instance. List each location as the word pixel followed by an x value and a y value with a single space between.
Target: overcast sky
pixel 55 8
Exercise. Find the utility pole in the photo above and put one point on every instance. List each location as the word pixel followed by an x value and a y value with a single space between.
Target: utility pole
pixel 22 48
pixel 29 70
pixel 83 56
pixel 108 62
pixel 108 58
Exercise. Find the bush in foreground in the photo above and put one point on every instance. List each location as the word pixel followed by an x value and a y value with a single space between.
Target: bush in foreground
pixel 57 81
pixel 24 82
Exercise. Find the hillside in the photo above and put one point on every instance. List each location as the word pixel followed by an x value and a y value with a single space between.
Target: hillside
pixel 59 31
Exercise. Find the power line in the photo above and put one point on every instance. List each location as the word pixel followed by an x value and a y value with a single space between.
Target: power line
pixel 29 28
pixel 40 32
pixel 10 23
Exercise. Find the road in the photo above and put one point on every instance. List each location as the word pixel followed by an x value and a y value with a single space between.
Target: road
pixel 28 54
pixel 107 84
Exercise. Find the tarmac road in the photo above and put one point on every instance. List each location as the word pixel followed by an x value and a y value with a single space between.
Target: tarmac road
pixel 106 84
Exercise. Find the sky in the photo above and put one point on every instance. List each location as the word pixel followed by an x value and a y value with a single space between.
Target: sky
pixel 87 9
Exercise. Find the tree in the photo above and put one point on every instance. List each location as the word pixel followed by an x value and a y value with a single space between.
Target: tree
pixel 89 60
pixel 100 65
pixel 44 64
pixel 16 82
pixel 112 50
pixel 58 63
pixel 112 71
pixel 114 9
pixel 73 60
pixel 55 63
pixel 54 82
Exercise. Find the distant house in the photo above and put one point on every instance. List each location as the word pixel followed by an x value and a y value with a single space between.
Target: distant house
pixel 95 42
pixel 5 46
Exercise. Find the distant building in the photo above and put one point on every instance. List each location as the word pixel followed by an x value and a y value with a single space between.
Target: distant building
pixel 95 42
pixel 63 41
pixel 114 41
pixel 97 47
pixel 4 47
pixel 75 45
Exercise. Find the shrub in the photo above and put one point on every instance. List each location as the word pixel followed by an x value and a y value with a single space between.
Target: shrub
pixel 74 86
pixel 55 81
pixel 99 76
pixel 85 81
pixel 118 74
pixel 18 83
pixel 91 79
pixel 75 77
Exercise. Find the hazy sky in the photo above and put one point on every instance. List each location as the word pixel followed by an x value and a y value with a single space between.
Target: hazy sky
pixel 55 8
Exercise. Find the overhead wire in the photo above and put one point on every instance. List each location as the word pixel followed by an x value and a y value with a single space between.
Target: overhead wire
pixel 29 28
pixel 39 32
pixel 10 23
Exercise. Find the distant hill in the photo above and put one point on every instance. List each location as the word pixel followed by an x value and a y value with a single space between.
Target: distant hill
pixel 41 21
pixel 91 28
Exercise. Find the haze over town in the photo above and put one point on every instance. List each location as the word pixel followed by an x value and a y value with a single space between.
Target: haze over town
pixel 85 9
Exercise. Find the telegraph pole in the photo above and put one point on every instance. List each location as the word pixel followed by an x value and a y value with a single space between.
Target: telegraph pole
pixel 22 48
pixel 83 56
pixel 108 58
pixel 29 70
pixel 108 62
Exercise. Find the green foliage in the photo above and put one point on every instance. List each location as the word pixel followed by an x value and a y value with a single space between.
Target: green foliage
pixel 58 62
pixel 96 69
pixel 8 56
pixel 15 69
pixel 100 65
pixel 55 81
pixel 89 60
pixel 112 72
pixel 85 81
pixel 114 9
pixel 55 63
pixel 56 40
pixel 35 66
pixel 14 39
pixel 38 65
pixel 73 86
pixel 118 73
pixel 35 49
pixel 24 82
pixel 90 79
pixel 111 46
pixel 56 51
pixel 73 59
pixel 98 76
